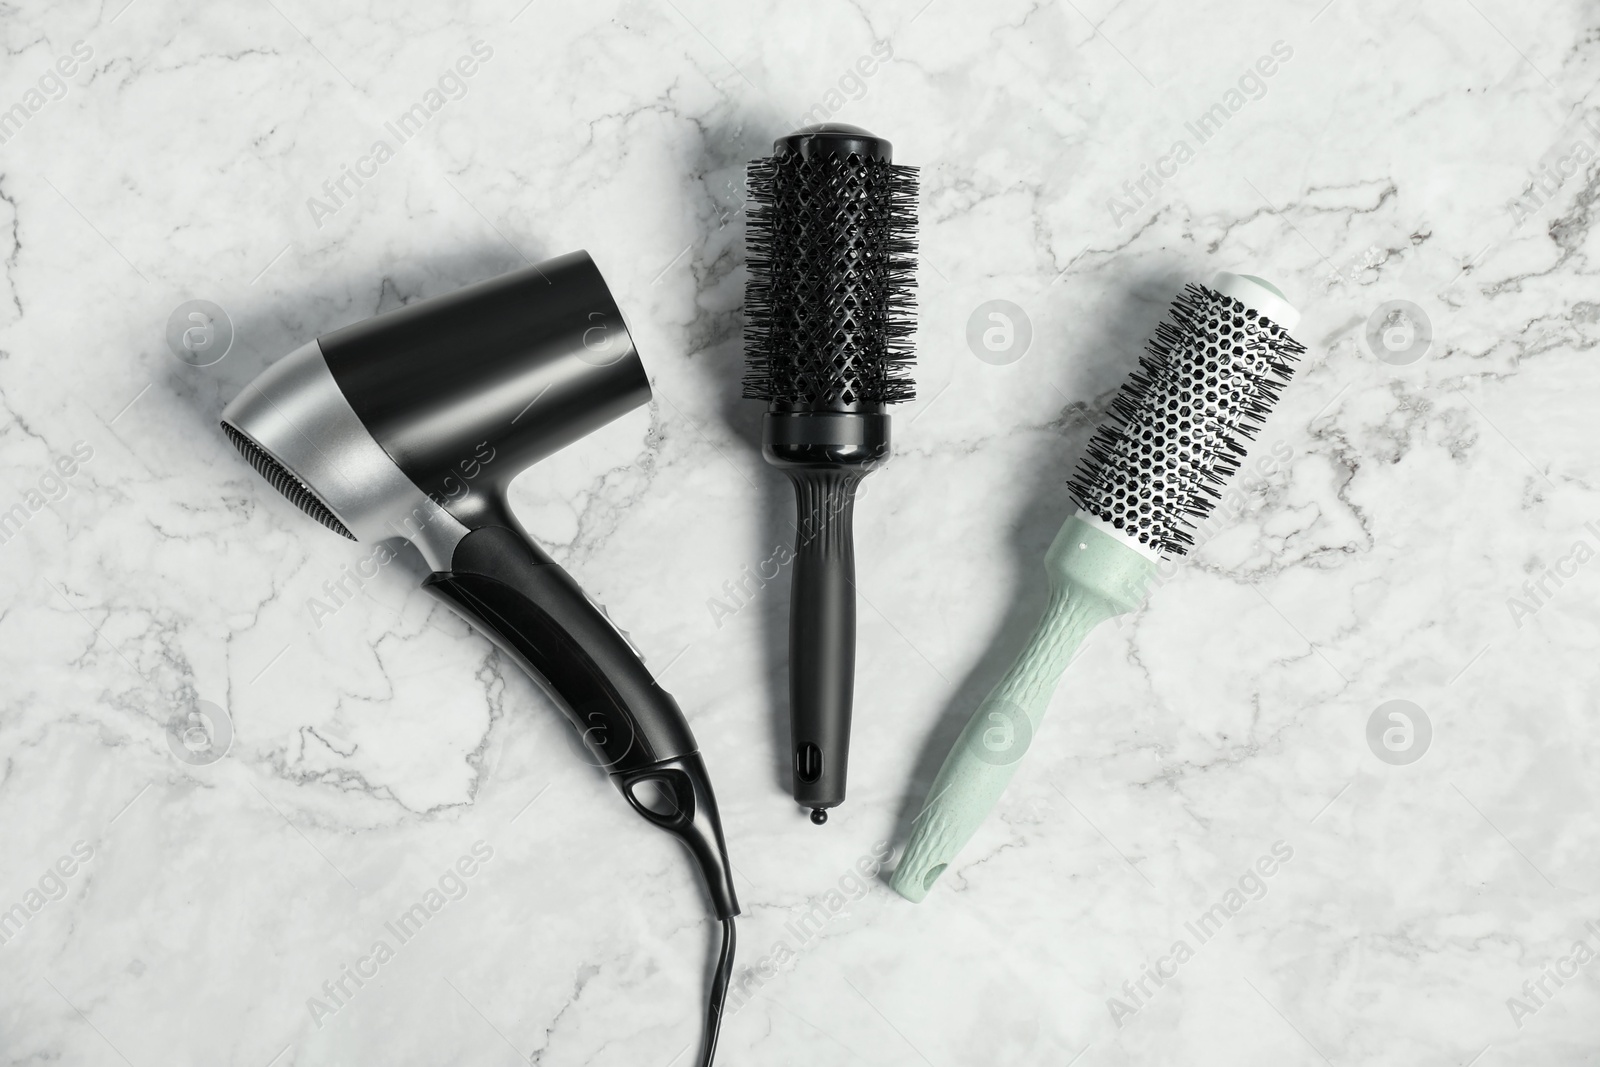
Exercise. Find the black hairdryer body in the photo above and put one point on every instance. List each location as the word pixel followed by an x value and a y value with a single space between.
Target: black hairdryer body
pixel 413 424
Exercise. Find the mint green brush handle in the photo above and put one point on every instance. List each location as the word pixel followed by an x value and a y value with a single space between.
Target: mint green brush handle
pixel 1093 576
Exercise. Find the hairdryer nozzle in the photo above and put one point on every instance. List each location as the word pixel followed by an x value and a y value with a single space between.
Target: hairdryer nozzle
pixel 283 480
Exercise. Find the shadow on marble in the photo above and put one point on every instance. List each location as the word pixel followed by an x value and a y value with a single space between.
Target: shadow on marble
pixel 723 146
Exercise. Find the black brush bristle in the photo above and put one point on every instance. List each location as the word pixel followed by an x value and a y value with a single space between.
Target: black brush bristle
pixel 830 303
pixel 1180 424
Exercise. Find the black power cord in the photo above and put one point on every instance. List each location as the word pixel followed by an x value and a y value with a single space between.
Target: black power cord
pixel 719 993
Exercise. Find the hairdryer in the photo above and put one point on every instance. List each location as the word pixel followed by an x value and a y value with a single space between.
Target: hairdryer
pixel 412 425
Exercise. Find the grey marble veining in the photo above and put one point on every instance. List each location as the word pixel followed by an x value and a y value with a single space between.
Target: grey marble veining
pixel 1419 522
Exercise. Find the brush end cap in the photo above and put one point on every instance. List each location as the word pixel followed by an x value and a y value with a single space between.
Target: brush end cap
pixel 833 139
pixel 1259 295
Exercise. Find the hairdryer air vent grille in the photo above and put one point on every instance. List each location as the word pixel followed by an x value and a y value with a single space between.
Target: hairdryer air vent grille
pixel 283 480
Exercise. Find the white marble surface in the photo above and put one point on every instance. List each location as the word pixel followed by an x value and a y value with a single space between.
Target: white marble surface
pixel 1375 562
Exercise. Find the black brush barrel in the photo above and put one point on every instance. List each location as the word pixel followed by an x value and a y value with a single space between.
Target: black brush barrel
pixel 829 304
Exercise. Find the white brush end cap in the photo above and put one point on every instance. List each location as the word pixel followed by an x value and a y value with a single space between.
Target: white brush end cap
pixel 1260 294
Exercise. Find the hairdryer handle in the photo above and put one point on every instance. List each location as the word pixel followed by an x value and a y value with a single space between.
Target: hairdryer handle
pixel 529 606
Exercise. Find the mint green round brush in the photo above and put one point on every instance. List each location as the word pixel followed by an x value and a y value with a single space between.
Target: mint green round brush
pixel 1178 429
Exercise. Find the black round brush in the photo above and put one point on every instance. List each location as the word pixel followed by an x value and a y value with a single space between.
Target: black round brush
pixel 829 314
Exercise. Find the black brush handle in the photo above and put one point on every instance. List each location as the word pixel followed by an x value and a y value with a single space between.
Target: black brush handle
pixel 822 635
pixel 825 455
pixel 531 608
